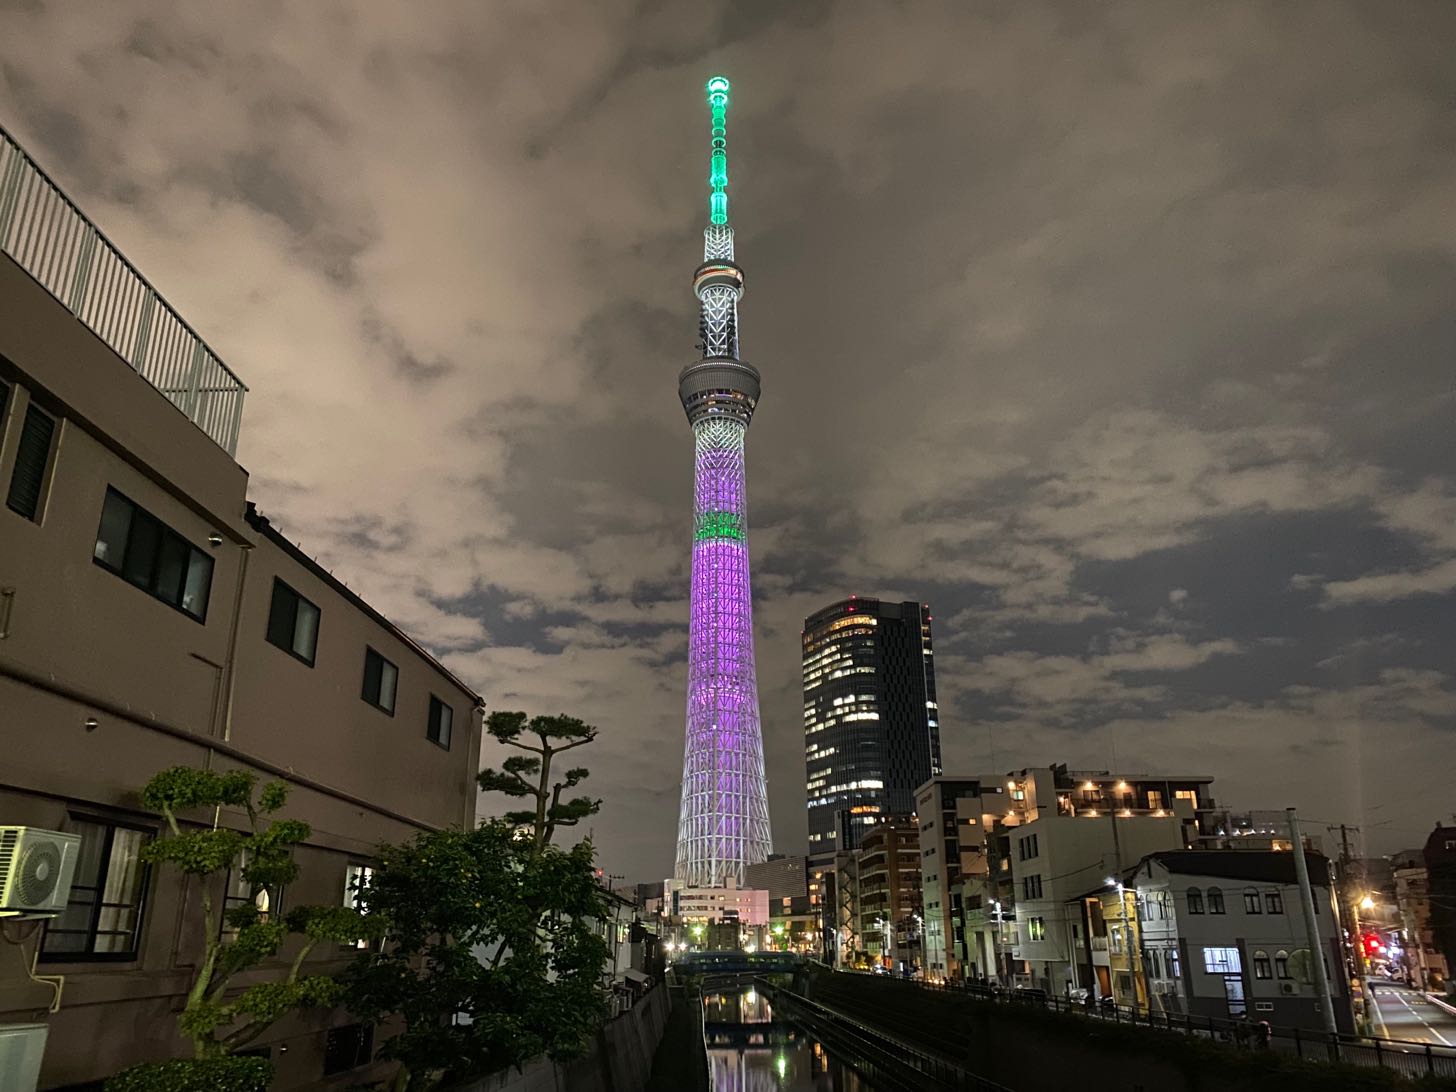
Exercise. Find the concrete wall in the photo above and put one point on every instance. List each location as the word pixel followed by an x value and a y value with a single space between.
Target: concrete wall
pixel 620 1060
pixel 163 688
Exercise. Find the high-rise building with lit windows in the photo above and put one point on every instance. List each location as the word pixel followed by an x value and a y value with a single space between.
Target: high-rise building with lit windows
pixel 871 725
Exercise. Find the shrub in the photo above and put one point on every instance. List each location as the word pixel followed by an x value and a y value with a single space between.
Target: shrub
pixel 194 1075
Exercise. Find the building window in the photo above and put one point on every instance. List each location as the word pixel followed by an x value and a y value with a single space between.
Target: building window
pixel 32 459
pixel 347 1048
pixel 1174 969
pixel 1262 967
pixel 1191 795
pixel 1215 900
pixel 1031 887
pixel 1273 902
pixel 441 718
pixel 1155 800
pixel 1251 902
pixel 1036 929
pixel 103 916
pixel 356 878
pixel 293 623
pixel 1114 936
pixel 142 550
pixel 238 892
pixel 1222 961
pixel 1195 901
pixel 1281 964
pixel 1028 847
pixel 380 679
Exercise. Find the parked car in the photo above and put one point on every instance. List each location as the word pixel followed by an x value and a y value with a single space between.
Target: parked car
pixel 1078 996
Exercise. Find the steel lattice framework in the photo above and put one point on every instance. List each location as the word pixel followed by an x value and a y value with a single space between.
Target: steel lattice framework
pixel 724 822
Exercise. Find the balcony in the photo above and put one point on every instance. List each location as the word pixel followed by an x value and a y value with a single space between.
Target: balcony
pixel 46 234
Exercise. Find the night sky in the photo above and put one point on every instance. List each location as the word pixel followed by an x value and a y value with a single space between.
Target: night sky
pixel 1120 333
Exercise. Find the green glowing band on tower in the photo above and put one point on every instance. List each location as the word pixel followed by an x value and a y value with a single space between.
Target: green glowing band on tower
pixel 719 525
pixel 718 172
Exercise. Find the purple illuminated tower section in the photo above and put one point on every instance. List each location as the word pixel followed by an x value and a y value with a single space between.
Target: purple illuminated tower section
pixel 724 820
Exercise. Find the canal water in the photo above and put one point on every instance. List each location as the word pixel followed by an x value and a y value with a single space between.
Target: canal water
pixel 751 1050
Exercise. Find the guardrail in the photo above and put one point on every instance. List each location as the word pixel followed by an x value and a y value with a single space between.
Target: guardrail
pixel 889 1061
pixel 1404 1056
pixel 48 236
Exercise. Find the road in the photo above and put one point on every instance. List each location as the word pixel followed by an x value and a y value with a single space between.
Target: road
pixel 1409 1014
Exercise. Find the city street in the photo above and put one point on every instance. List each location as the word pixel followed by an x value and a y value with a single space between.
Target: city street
pixel 1409 1014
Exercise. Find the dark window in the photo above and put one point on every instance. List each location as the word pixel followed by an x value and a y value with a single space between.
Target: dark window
pixel 103 916
pixel 348 1048
pixel 1273 902
pixel 441 719
pixel 1281 964
pixel 380 679
pixel 293 623
pixel 32 456
pixel 1195 901
pixel 1031 887
pixel 1262 967
pixel 1215 900
pixel 142 550
pixel 1251 902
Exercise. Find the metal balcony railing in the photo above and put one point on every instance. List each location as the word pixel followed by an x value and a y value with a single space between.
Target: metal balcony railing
pixel 49 237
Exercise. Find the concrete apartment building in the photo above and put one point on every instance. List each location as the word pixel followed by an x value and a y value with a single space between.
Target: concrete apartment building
pixel 1425 963
pixel 1001 856
pixel 1223 935
pixel 150 618
pixel 878 892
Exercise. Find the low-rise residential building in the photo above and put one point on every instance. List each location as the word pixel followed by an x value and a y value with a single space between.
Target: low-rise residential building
pixel 150 617
pixel 1424 963
pixel 1439 856
pixel 953 845
pixel 1004 860
pixel 1223 935
pixel 889 909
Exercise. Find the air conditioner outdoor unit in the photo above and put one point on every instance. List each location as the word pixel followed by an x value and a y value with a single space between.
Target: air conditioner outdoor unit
pixel 21 1048
pixel 36 867
pixel 1288 987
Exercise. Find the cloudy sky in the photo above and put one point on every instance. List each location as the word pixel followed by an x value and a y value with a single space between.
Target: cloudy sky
pixel 1120 333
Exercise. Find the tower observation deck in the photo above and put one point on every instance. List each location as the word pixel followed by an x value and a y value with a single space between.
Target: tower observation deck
pixel 723 825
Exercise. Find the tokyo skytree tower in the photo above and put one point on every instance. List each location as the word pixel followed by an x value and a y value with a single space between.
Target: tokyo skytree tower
pixel 724 820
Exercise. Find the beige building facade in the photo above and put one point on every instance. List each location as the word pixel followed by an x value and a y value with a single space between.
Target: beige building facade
pixel 150 618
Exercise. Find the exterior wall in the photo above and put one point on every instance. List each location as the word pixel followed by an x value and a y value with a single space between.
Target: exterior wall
pixel 952 843
pixel 1073 855
pixel 102 685
pixel 1439 856
pixel 1425 963
pixel 1283 1001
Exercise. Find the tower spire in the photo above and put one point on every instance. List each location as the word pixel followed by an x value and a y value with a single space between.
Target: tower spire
pixel 723 825
pixel 718 160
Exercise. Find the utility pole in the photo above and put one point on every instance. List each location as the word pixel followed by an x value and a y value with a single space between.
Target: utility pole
pixel 1311 927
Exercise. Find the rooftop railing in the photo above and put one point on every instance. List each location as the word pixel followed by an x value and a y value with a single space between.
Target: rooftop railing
pixel 49 237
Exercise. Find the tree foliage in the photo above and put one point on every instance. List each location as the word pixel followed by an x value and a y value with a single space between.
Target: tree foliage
pixel 492 950
pixel 529 774
pixel 217 1022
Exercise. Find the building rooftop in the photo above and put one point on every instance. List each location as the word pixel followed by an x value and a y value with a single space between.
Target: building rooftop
pixel 45 233
pixel 1271 866
pixel 264 527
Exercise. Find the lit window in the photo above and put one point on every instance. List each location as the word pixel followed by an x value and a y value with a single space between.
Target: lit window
pixel 1262 967
pixel 1222 961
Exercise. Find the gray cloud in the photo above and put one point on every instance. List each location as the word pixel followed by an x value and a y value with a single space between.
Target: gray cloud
pixel 1119 333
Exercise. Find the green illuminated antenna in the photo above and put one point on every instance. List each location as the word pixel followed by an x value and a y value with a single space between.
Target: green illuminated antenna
pixel 718 172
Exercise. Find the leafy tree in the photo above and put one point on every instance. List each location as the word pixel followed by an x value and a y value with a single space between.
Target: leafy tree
pixel 530 774
pixel 216 1023
pixel 491 951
